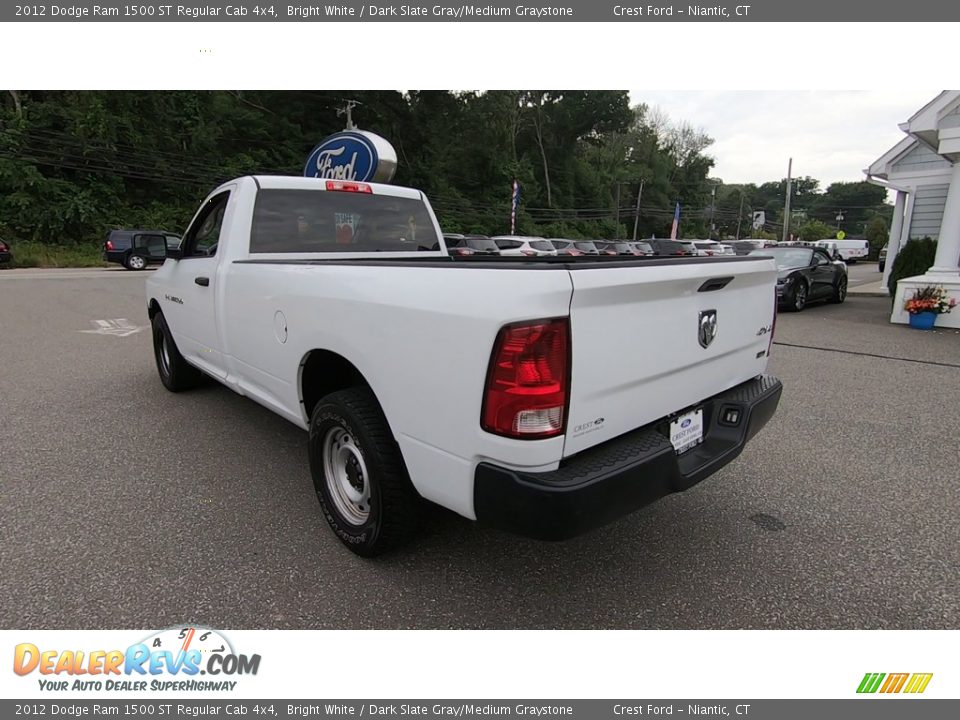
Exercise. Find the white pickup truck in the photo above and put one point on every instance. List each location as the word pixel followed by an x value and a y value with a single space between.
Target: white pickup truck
pixel 544 396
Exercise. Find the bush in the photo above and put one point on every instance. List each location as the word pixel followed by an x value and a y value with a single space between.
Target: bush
pixel 914 258
pixel 34 254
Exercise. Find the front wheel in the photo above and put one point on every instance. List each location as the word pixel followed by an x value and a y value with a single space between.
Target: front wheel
pixel 798 298
pixel 840 290
pixel 359 475
pixel 176 374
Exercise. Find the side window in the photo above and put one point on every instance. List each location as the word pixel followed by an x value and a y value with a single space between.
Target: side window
pixel 820 259
pixel 154 245
pixel 203 236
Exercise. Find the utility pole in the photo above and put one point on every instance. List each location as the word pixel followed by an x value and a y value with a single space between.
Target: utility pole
pixel 740 215
pixel 839 218
pixel 786 207
pixel 713 203
pixel 636 217
pixel 618 212
pixel 347 110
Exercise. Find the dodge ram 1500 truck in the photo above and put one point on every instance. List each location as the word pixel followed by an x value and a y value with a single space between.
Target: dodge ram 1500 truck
pixel 544 396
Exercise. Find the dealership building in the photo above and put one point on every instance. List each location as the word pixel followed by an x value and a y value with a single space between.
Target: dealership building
pixel 923 170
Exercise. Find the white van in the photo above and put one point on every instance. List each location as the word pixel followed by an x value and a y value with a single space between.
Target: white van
pixel 849 250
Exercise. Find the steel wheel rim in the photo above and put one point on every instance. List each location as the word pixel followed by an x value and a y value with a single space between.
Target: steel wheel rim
pixel 136 262
pixel 346 477
pixel 164 355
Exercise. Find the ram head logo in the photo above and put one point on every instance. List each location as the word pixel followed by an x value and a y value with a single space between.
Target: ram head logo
pixel 707 329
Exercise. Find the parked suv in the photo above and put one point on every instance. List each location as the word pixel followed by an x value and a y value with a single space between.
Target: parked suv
pixel 521 245
pixel 674 247
pixel 6 255
pixel 470 245
pixel 882 260
pixel 135 249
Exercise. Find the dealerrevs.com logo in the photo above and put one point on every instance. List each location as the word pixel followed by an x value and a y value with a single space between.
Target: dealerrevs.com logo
pixel 892 683
pixel 172 659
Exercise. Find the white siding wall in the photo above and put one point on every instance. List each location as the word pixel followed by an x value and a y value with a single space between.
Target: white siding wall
pixel 928 211
pixel 951 120
pixel 920 158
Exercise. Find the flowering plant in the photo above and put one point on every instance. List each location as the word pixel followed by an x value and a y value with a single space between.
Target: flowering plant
pixel 930 299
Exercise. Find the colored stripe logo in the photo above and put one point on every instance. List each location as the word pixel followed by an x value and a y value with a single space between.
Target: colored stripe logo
pixel 914 683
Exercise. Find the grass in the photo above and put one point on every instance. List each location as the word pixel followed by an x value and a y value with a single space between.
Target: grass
pixel 39 255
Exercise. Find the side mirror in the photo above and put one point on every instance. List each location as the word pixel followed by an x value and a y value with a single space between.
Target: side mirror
pixel 174 253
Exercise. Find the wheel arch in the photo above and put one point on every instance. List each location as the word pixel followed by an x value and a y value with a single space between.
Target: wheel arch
pixel 322 372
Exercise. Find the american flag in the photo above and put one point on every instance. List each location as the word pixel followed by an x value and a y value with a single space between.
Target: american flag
pixel 676 222
pixel 514 203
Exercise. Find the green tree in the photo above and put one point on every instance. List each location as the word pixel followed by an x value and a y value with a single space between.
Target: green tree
pixel 877 233
pixel 814 230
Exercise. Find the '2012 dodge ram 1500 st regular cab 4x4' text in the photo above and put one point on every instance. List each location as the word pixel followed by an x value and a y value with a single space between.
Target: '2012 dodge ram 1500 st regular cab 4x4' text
pixel 544 396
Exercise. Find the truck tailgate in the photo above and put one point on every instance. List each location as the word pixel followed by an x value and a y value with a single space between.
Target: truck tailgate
pixel 637 351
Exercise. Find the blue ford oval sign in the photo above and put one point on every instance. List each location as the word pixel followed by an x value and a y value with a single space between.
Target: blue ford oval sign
pixel 352 155
pixel 686 423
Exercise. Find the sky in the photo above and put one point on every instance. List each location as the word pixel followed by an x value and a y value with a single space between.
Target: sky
pixel 831 135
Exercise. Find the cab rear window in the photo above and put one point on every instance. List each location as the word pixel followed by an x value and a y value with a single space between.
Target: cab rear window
pixel 306 221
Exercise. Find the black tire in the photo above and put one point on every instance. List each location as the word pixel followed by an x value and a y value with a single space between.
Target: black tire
pixel 840 290
pixel 359 475
pixel 135 262
pixel 176 374
pixel 798 296
pixel 880 266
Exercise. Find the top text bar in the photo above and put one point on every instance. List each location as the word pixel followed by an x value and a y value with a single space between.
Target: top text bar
pixel 529 11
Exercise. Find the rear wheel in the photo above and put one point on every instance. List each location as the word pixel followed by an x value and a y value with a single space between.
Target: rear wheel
pixel 798 298
pixel 359 475
pixel 840 290
pixel 176 374
pixel 136 262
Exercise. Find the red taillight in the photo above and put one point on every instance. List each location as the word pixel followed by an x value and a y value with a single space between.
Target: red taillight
pixel 462 251
pixel 529 253
pixel 341 186
pixel 528 380
pixel 578 253
pixel 109 245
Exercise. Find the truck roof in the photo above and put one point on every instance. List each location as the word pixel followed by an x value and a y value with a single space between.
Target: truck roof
pixel 292 182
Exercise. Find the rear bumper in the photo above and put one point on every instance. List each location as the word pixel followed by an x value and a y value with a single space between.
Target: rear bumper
pixel 6 257
pixel 115 256
pixel 622 475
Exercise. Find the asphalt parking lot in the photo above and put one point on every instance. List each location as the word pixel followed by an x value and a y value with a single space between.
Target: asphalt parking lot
pixel 125 506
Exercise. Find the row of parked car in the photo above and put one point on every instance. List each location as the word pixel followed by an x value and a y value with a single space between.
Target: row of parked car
pixel 523 245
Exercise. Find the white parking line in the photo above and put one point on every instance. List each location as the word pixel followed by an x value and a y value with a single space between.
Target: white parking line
pixel 119 327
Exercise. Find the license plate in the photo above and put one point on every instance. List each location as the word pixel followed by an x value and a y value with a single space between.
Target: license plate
pixel 687 431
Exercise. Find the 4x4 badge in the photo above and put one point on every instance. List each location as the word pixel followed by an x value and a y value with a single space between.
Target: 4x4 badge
pixel 707 330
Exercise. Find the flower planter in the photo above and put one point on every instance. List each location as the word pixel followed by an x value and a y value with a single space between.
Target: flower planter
pixel 923 321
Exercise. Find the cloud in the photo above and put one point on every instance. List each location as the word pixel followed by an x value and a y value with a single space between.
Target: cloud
pixel 831 135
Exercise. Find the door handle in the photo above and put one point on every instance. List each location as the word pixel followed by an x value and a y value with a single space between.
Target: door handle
pixel 202 280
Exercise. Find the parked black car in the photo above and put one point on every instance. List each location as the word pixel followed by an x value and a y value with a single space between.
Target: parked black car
pixel 135 249
pixel 6 254
pixel 882 259
pixel 805 275
pixel 470 244
pixel 673 247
